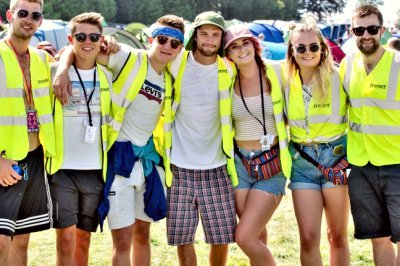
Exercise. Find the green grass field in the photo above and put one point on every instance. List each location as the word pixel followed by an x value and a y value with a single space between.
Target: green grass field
pixel 282 233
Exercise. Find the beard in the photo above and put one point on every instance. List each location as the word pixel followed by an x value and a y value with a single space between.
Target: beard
pixel 208 52
pixel 370 49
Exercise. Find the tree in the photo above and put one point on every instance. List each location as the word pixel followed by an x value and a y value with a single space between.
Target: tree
pixel 369 2
pixel 321 8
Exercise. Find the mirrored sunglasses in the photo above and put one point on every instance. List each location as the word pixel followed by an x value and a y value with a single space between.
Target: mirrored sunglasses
pixel 301 48
pixel 22 13
pixel 372 30
pixel 81 37
pixel 163 40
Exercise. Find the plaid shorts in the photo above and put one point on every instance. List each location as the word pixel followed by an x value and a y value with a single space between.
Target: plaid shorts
pixel 208 192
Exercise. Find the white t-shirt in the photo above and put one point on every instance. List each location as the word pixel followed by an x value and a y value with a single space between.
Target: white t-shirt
pixel 79 154
pixel 196 134
pixel 142 115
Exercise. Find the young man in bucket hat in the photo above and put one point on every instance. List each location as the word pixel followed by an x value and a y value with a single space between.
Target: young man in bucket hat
pixel 199 162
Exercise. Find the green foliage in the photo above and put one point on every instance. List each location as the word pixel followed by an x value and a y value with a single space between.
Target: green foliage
pixel 321 8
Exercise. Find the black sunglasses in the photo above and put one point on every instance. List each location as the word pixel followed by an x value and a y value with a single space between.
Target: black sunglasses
pixel 81 37
pixel 22 13
pixel 372 30
pixel 301 48
pixel 163 40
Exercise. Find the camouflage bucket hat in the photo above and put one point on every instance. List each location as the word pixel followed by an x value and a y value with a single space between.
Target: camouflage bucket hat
pixel 209 17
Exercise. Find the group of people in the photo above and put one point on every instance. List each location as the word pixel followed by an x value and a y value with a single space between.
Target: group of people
pixel 208 131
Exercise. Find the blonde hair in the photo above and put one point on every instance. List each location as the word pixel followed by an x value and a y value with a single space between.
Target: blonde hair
pixel 322 76
pixel 13 3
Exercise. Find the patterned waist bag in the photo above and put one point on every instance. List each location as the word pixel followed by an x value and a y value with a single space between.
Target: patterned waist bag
pixel 336 173
pixel 264 165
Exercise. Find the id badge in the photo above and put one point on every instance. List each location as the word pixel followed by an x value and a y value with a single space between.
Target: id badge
pixel 32 121
pixel 266 142
pixel 90 135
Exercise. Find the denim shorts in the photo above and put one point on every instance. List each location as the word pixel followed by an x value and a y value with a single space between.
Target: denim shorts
pixel 375 201
pixel 307 176
pixel 274 185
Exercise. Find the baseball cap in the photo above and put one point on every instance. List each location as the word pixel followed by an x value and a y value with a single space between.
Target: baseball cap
pixel 208 17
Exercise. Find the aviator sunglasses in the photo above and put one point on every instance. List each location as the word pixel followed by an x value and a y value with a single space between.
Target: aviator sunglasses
pixel 81 37
pixel 22 13
pixel 301 48
pixel 372 30
pixel 163 40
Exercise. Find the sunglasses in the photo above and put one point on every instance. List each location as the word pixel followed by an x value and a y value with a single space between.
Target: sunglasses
pixel 22 13
pixel 301 48
pixel 372 30
pixel 81 37
pixel 163 40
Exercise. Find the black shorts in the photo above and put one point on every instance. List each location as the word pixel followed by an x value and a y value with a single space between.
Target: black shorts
pixel 375 201
pixel 24 206
pixel 76 194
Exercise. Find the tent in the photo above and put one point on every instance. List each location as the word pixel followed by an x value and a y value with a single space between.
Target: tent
pixel 271 33
pixel 274 51
pixel 54 31
pixel 123 36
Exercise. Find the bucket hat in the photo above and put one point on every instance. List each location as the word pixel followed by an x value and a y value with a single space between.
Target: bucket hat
pixel 238 31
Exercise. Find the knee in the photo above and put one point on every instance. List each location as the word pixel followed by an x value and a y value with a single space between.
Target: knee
pixel 21 242
pixel 66 242
pixel 83 241
pixel 5 243
pixel 309 240
pixel 337 240
pixel 241 238
pixel 141 233
pixel 123 244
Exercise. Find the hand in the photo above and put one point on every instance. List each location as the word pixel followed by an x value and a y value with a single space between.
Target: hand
pixel 61 84
pixel 110 45
pixel 8 176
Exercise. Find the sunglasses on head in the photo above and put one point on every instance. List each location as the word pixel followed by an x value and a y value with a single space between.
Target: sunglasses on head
pixel 22 13
pixel 372 30
pixel 163 40
pixel 81 37
pixel 301 48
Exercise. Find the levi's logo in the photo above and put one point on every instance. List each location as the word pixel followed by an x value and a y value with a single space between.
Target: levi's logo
pixel 152 91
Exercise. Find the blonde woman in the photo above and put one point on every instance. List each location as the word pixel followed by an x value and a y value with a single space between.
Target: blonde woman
pixel 316 110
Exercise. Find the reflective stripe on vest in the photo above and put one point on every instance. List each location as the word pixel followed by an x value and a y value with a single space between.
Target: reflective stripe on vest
pixel 224 86
pixel 321 121
pixel 13 124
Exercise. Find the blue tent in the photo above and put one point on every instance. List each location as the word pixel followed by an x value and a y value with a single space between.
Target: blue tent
pixel 271 33
pixel 274 51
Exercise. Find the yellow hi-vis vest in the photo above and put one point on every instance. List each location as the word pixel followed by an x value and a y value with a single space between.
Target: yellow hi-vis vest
pixel 327 117
pixel 275 76
pixel 225 102
pixel 55 163
pixel 374 112
pixel 126 87
pixel 13 118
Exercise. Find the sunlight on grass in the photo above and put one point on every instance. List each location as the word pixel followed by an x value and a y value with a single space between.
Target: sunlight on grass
pixel 283 240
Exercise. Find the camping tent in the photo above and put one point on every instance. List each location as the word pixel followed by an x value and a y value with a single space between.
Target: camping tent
pixel 123 36
pixel 54 31
pixel 271 33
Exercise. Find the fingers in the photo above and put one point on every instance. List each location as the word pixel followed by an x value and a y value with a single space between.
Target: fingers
pixel 10 180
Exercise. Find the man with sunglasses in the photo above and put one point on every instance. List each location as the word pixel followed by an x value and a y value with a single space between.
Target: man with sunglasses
pixel 76 184
pixel 134 194
pixel 199 144
pixel 26 133
pixel 371 79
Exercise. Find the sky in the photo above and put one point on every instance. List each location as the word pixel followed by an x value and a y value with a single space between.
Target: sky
pixel 388 9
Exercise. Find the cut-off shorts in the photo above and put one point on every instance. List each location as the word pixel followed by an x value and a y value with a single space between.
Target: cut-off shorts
pixel 205 192
pixel 274 185
pixel 304 174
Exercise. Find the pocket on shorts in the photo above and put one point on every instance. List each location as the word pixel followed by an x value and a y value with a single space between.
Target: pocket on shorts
pixel 119 194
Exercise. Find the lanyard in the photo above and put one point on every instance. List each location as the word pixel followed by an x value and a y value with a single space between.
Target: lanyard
pixel 262 101
pixel 84 91
pixel 27 85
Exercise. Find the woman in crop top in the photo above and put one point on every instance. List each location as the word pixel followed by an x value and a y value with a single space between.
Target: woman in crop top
pixel 257 122
pixel 316 110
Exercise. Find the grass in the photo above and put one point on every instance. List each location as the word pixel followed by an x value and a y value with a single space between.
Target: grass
pixel 282 236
